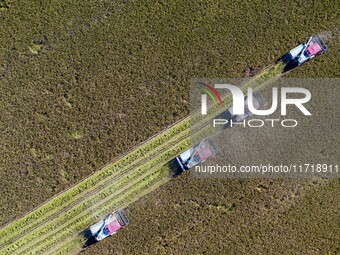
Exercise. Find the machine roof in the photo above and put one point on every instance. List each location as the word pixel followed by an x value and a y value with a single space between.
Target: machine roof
pixel 314 49
pixel 204 153
pixel 113 226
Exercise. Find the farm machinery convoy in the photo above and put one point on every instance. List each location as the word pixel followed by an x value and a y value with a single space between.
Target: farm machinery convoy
pixel 206 148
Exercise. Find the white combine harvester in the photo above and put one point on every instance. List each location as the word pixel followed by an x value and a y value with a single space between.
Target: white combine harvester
pixel 106 227
pixel 196 155
pixel 302 53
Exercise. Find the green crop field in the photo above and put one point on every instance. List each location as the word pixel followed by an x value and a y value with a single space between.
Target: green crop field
pixel 83 82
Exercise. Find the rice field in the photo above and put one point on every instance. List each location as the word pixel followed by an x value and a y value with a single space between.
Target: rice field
pixel 63 218
pixel 82 83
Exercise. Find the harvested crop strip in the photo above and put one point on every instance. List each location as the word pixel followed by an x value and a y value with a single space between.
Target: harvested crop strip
pixel 58 221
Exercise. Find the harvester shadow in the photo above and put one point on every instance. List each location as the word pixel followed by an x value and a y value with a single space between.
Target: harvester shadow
pixel 174 167
pixel 290 66
pixel 90 239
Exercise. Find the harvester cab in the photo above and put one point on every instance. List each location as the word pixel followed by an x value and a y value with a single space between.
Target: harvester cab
pixel 302 53
pixel 196 155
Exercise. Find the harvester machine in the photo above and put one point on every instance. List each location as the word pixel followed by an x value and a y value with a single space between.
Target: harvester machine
pixel 302 53
pixel 196 155
pixel 107 227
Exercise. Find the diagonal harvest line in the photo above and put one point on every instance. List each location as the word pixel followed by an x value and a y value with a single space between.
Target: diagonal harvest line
pixel 262 85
